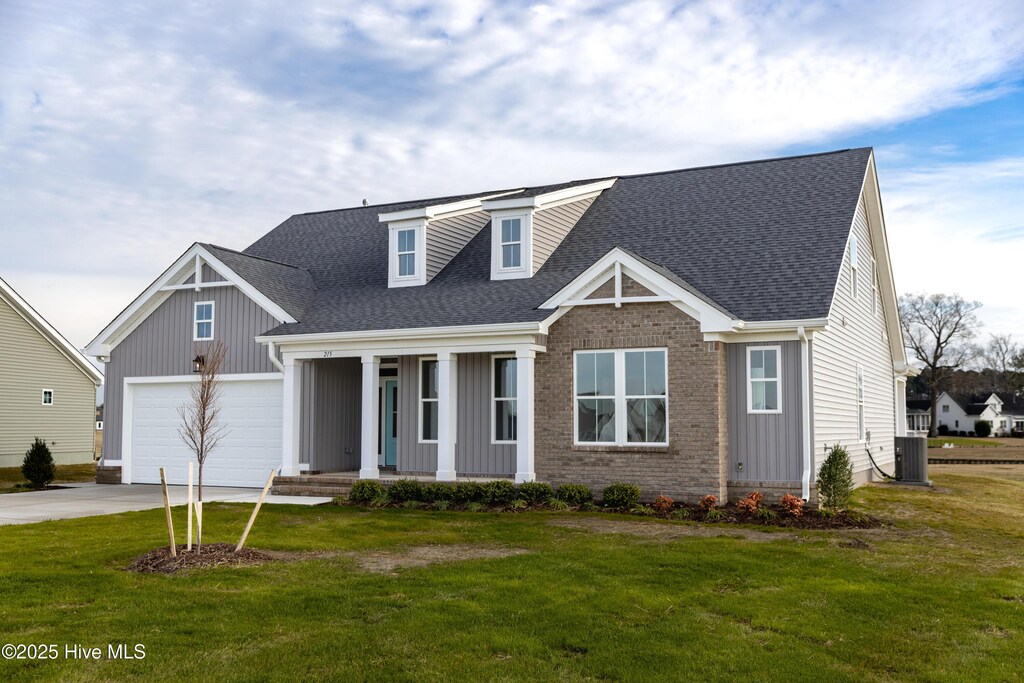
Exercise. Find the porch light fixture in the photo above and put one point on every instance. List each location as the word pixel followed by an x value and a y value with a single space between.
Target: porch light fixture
pixel 197 363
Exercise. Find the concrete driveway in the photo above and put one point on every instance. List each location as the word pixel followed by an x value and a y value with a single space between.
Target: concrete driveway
pixel 89 499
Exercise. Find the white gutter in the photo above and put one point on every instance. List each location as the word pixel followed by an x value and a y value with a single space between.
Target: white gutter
pixel 272 353
pixel 805 412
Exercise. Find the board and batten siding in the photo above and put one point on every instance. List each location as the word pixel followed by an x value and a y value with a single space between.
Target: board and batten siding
pixel 474 453
pixel 447 236
pixel 162 346
pixel 855 336
pixel 29 363
pixel 550 226
pixel 770 446
pixel 331 414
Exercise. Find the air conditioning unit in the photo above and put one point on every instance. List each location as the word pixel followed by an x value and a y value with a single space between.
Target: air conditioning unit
pixel 912 460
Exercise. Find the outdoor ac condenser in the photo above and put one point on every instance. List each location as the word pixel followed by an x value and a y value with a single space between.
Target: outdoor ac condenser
pixel 912 460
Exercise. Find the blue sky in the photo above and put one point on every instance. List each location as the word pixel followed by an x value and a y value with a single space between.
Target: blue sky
pixel 129 131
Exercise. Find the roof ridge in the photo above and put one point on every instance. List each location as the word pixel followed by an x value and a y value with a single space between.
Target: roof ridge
pixel 459 197
pixel 746 163
pixel 261 258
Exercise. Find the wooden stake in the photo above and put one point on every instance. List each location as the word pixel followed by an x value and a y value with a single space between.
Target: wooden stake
pixel 199 526
pixel 167 508
pixel 256 510
pixel 189 545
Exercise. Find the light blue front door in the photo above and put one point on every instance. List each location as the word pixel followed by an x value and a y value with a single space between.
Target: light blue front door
pixel 390 419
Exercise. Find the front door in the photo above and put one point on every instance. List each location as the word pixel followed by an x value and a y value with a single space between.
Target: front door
pixel 390 419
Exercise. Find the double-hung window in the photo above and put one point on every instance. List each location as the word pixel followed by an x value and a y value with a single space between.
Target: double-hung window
pixel 853 266
pixel 860 403
pixel 763 379
pixel 203 327
pixel 428 400
pixel 503 400
pixel 621 397
pixel 406 252
pixel 47 399
pixel 511 243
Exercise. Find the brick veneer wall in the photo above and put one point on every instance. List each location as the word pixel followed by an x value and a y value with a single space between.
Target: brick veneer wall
pixel 695 461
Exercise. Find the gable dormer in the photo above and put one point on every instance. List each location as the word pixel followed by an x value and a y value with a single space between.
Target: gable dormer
pixel 526 229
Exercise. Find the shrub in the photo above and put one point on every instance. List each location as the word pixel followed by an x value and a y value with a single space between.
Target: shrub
pixel 714 515
pixel 620 495
pixel 405 490
pixel 586 507
pixel 499 492
pixel 794 505
pixel 751 503
pixel 765 514
pixel 682 513
pixel 467 492
pixel 518 504
pixel 943 430
pixel 982 428
pixel 709 502
pixel 38 466
pixel 441 504
pixel 641 509
pixel 474 506
pixel 380 500
pixel 436 492
pixel 557 504
pixel 663 503
pixel 534 492
pixel 835 479
pixel 365 490
pixel 412 504
pixel 574 494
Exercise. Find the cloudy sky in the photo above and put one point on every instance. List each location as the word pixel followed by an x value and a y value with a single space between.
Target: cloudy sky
pixel 129 131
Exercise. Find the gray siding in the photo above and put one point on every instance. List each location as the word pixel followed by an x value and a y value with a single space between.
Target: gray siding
pixel 446 238
pixel 550 227
pixel 769 446
pixel 474 453
pixel 331 412
pixel 162 345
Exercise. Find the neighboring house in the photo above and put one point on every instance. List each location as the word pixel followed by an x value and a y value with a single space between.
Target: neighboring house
pixel 47 387
pixel 710 330
pixel 1003 411
pixel 919 415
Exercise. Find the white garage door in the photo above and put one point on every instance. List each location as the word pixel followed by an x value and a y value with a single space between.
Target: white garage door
pixel 249 449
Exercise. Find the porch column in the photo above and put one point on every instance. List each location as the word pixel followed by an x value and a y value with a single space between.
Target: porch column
pixel 292 424
pixel 446 415
pixel 524 415
pixel 368 468
pixel 901 406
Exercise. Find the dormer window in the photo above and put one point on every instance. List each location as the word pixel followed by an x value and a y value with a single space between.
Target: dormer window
pixel 407 253
pixel 511 243
pixel 511 237
pixel 407 263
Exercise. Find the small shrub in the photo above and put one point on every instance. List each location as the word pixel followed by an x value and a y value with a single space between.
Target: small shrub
pixel 574 494
pixel 474 506
pixel 365 490
pixel 467 492
pixel 620 495
pixel 38 466
pixel 682 513
pixel 557 504
pixel 381 500
pixel 714 515
pixel 793 505
pixel 441 504
pixel 534 492
pixel 826 513
pixel 405 490
pixel 643 510
pixel 436 491
pixel 835 479
pixel 765 514
pixel 709 502
pixel 982 428
pixel 518 504
pixel 412 504
pixel 587 507
pixel 751 503
pixel 499 492
pixel 943 430
pixel 662 504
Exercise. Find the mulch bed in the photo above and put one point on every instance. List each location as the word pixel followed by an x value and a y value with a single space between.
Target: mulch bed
pixel 159 561
pixel 811 519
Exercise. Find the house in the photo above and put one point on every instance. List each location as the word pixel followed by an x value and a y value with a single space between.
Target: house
pixel 47 387
pixel 919 415
pixel 1003 411
pixel 708 330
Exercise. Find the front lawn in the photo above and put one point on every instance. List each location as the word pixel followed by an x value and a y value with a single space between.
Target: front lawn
pixel 964 442
pixel 939 596
pixel 11 479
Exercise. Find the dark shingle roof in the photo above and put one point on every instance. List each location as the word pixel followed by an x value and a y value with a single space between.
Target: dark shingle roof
pixel 289 286
pixel 919 404
pixel 762 240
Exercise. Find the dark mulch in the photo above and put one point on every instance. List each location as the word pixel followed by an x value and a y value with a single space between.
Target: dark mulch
pixel 811 519
pixel 159 561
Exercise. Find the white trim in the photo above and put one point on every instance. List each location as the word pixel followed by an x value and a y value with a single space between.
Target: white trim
pixel 369 467
pixel 860 396
pixel 196 321
pixel 419 276
pixel 805 415
pixel 420 400
pixel 525 242
pixel 777 379
pixel 547 200
pixel 447 414
pixel 494 400
pixel 39 324
pixel 441 210
pixel 436 333
pixel 620 399
pixel 175 379
pixel 291 419
pixel 42 397
pixel 853 248
pixel 525 358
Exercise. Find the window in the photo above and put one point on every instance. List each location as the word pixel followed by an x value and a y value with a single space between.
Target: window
pixel 945 407
pixel 853 266
pixel 763 379
pixel 99 426
pixel 503 400
pixel 407 253
pixel 428 400
pixel 203 328
pixel 621 397
pixel 47 399
pixel 860 403
pixel 511 243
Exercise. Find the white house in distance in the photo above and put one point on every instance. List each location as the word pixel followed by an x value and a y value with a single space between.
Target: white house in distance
pixel 1003 411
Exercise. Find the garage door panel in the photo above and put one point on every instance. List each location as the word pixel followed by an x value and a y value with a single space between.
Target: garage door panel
pixel 250 447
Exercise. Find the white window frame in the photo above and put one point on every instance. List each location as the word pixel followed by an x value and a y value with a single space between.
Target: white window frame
pixel 861 417
pixel 196 320
pixel 494 401
pixel 420 400
pixel 853 267
pixel 99 425
pixel 525 268
pixel 621 427
pixel 502 268
pixel 42 397
pixel 777 379
pixel 399 253
pixel 419 276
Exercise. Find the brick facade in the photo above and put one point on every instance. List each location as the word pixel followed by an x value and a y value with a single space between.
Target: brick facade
pixel 695 461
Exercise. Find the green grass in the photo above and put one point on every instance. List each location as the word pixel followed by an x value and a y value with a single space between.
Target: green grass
pixel 12 481
pixel 963 442
pixel 938 597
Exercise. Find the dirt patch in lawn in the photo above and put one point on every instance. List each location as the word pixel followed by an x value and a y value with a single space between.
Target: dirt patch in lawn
pixel 388 562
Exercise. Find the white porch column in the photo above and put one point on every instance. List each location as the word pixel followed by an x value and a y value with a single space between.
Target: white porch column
pixel 901 406
pixel 292 424
pixel 368 468
pixel 524 415
pixel 446 415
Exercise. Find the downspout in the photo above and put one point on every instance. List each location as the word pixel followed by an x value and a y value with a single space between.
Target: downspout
pixel 805 412
pixel 272 353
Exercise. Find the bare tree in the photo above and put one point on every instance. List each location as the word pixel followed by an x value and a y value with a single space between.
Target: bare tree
pixel 201 428
pixel 940 330
pixel 1002 355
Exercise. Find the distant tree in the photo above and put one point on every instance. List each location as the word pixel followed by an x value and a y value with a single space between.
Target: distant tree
pixel 1003 356
pixel 982 428
pixel 940 330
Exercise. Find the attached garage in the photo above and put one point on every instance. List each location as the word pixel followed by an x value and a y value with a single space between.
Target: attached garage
pixel 250 410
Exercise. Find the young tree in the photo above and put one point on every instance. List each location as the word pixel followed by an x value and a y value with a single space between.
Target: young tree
pixel 38 466
pixel 939 329
pixel 201 428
